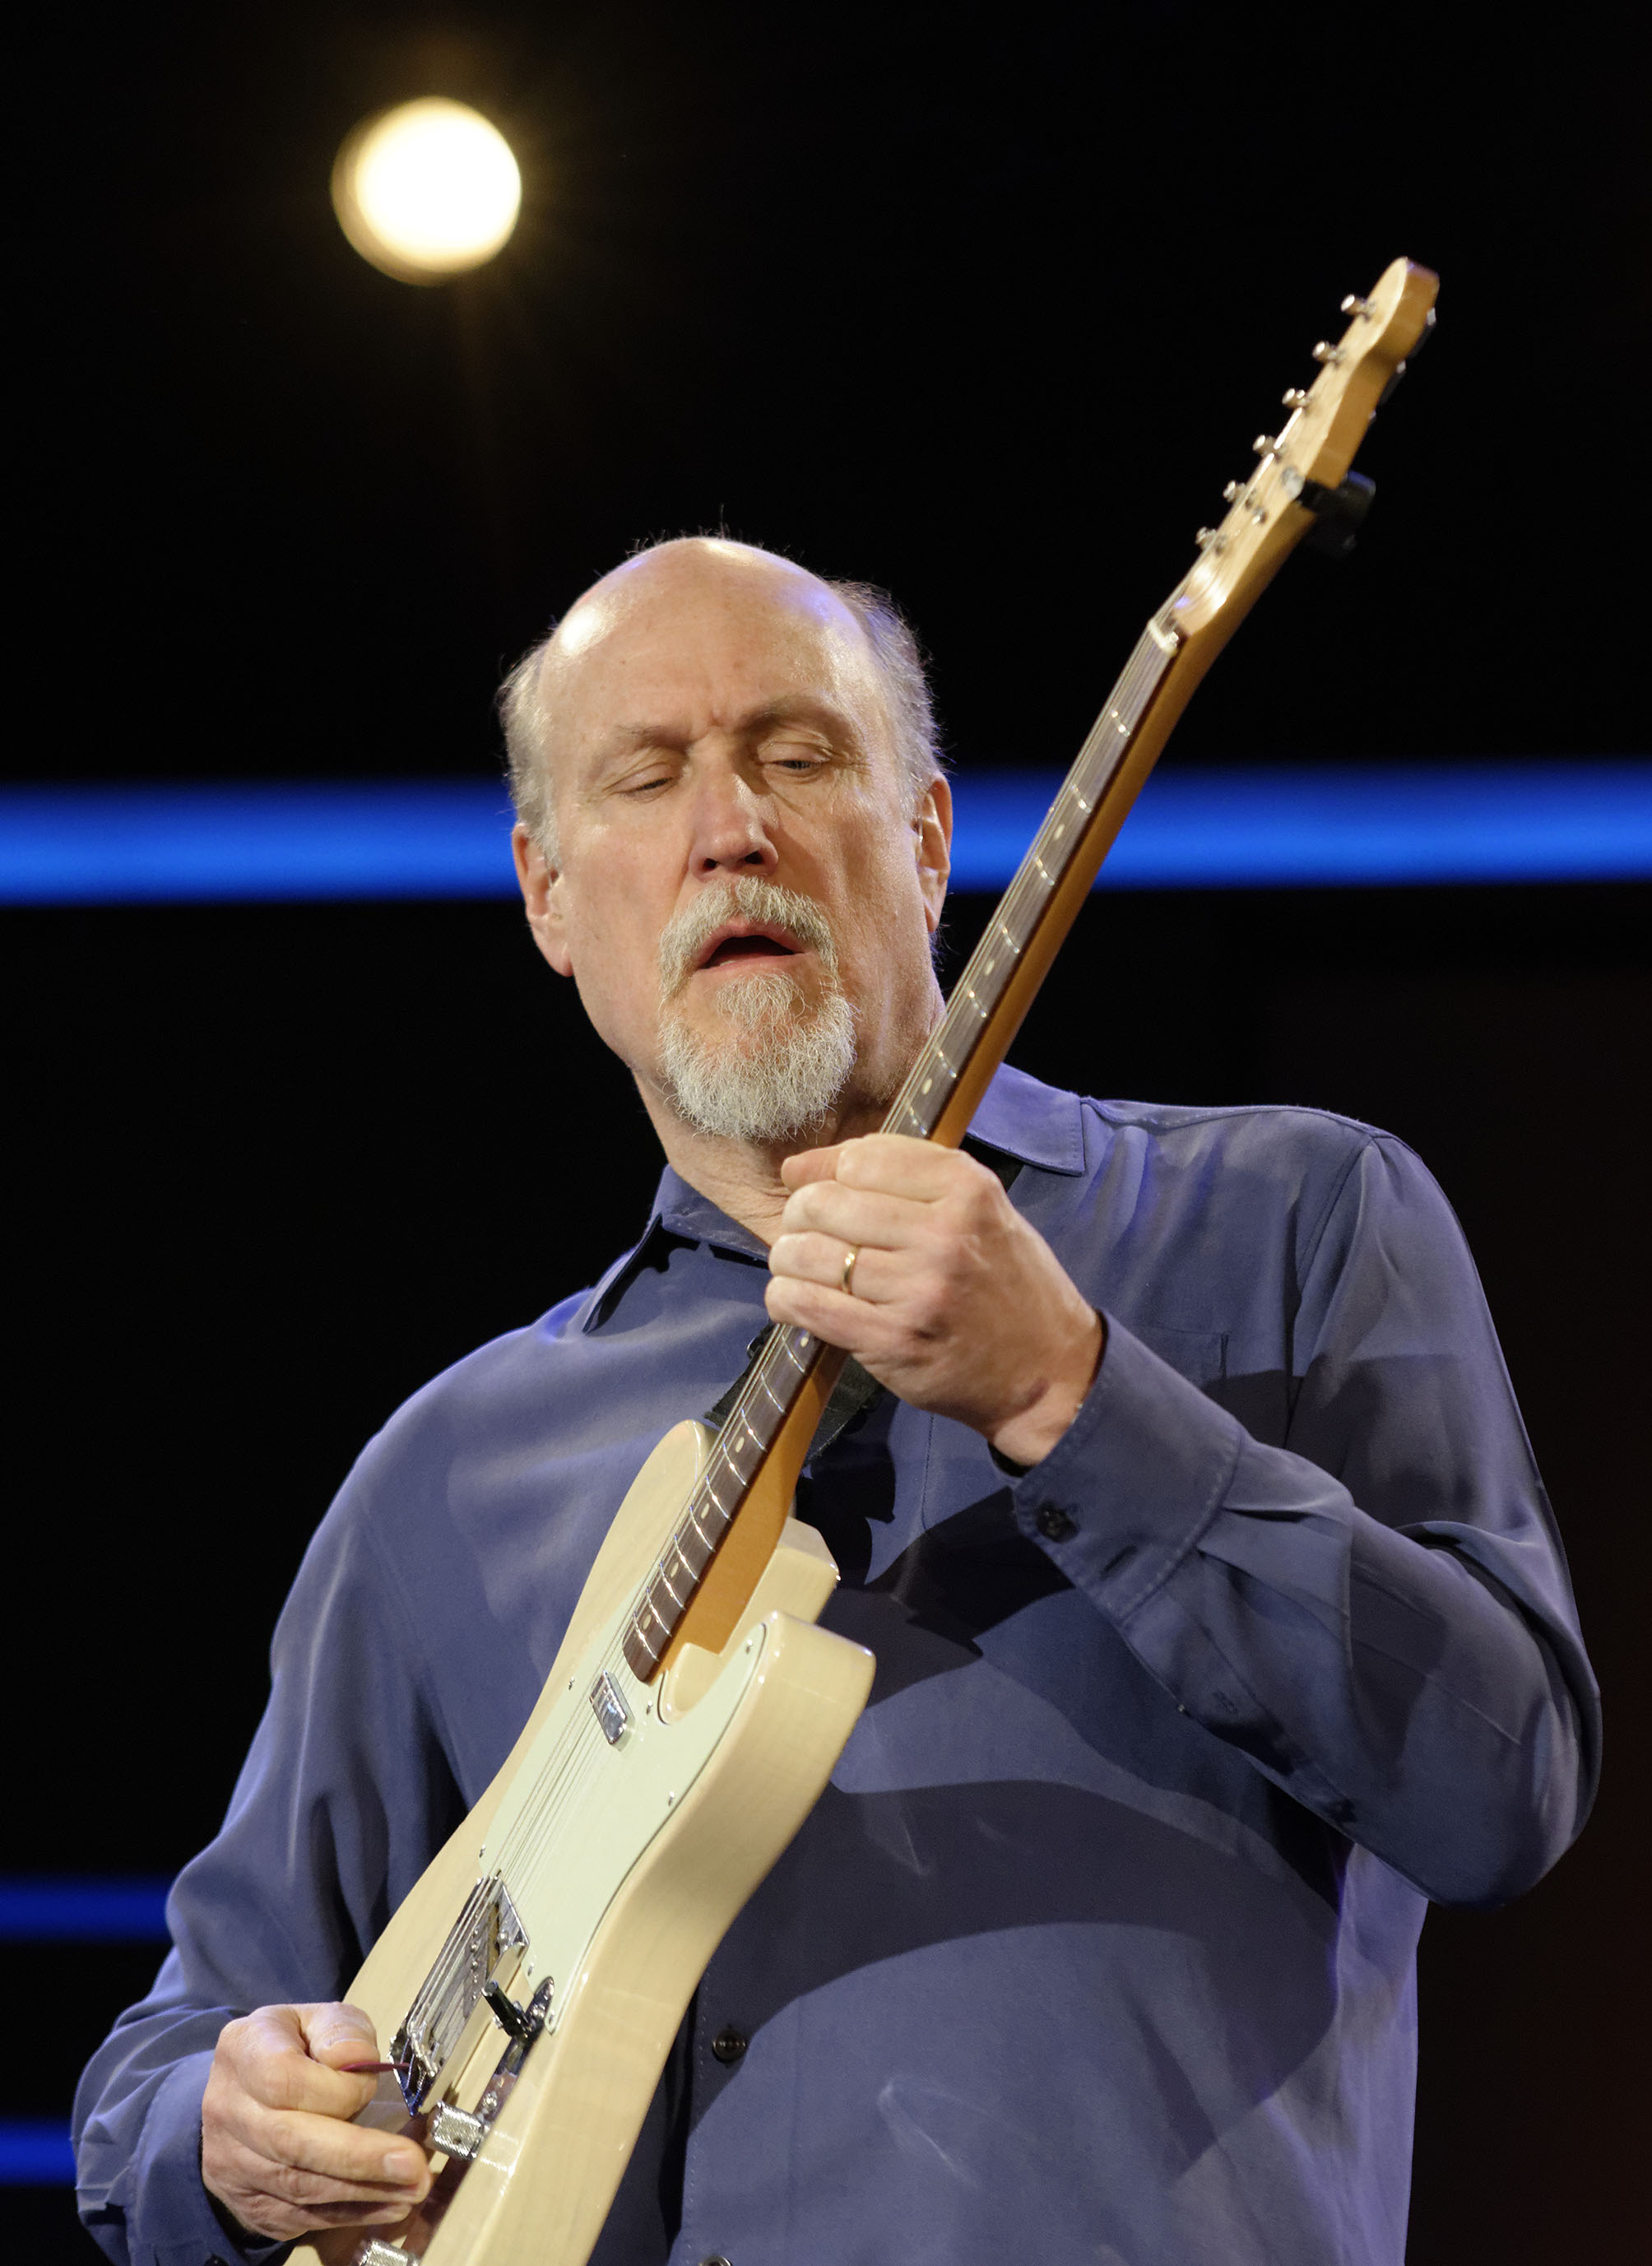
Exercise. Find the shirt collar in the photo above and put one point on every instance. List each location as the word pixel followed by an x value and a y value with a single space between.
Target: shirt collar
pixel 1040 1124
pixel 1020 1117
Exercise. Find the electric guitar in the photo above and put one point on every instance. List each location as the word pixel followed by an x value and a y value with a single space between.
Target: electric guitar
pixel 532 1981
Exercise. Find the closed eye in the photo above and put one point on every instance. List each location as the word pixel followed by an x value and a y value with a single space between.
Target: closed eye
pixel 796 762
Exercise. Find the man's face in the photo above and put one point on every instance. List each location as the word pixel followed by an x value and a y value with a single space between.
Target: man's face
pixel 716 717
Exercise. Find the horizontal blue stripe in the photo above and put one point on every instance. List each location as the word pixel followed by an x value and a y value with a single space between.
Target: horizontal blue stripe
pixel 35 2154
pixel 1326 827
pixel 82 1910
pixel 256 841
pixel 1276 827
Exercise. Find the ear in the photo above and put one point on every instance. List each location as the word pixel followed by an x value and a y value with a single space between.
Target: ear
pixel 932 830
pixel 541 886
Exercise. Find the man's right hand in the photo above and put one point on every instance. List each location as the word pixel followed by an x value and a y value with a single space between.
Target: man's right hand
pixel 277 2148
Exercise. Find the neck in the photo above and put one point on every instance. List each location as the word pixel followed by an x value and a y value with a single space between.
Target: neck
pixel 743 1177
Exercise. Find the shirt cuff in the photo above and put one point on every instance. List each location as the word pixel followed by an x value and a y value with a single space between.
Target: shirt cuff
pixel 1134 1481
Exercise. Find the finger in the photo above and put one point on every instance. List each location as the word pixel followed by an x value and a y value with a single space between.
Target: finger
pixel 811 1165
pixel 855 1324
pixel 284 2198
pixel 348 2159
pixel 331 2155
pixel 898 1165
pixel 276 2069
pixel 822 1259
pixel 335 2032
pixel 253 2170
pixel 857 1216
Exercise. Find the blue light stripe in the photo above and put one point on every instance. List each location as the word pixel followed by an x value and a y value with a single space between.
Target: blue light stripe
pixel 254 841
pixel 81 1908
pixel 35 2154
pixel 1344 825
pixel 1338 827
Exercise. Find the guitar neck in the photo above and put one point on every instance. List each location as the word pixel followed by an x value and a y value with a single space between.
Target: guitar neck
pixel 734 1518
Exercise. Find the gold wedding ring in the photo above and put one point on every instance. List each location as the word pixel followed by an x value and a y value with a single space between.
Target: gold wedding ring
pixel 846 1281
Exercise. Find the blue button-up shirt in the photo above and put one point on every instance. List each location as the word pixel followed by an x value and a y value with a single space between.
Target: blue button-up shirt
pixel 1099 1944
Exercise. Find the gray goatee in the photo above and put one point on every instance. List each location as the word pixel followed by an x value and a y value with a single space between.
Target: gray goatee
pixel 780 1065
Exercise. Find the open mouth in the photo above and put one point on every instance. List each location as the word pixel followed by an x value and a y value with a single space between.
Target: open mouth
pixel 754 944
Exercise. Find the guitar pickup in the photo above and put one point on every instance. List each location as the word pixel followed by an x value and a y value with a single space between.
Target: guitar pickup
pixel 487 1944
pixel 609 1708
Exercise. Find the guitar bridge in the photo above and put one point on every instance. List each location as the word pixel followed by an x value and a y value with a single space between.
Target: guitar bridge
pixel 485 1945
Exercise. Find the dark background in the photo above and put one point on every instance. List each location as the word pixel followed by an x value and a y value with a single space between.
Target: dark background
pixel 986 312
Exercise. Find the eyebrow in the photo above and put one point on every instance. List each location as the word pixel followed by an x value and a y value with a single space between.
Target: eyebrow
pixel 798 708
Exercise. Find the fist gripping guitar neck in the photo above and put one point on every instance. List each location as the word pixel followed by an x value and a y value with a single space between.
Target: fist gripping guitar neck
pixel 532 1983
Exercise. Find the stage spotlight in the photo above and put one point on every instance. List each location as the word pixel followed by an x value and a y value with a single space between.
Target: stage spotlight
pixel 426 190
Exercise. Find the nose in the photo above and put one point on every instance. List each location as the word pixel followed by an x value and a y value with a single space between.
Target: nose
pixel 731 826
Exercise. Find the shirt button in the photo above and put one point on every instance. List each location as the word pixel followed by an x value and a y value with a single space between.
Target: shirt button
pixel 729 2045
pixel 1053 1524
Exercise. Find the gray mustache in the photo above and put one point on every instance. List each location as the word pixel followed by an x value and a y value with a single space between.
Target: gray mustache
pixel 752 898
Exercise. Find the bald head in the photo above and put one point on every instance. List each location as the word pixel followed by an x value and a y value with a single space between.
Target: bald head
pixel 706 589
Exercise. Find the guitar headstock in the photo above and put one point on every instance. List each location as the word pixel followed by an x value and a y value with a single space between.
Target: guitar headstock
pixel 1271 511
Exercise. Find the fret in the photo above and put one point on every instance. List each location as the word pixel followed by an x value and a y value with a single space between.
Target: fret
pixel 703 1553
pixel 641 1656
pixel 742 1457
pixel 664 1581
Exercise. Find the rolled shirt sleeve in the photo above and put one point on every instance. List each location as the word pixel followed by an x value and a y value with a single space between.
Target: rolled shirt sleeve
pixel 1375 1609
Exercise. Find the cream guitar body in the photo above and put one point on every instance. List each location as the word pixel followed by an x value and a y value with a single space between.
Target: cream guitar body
pixel 590 1885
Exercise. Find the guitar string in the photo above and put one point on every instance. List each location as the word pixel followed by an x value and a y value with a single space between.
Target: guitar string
pixel 567 1771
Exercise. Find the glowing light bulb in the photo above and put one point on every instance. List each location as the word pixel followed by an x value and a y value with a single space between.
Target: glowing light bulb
pixel 426 190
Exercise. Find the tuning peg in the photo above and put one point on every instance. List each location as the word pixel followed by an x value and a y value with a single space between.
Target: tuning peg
pixel 1294 398
pixel 1324 351
pixel 1355 305
pixel 1265 445
pixel 1210 538
pixel 1232 493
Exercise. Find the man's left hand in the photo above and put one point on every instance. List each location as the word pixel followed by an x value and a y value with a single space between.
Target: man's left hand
pixel 955 1302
